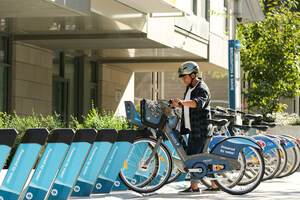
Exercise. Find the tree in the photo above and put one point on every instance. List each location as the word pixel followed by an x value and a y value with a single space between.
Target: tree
pixel 270 57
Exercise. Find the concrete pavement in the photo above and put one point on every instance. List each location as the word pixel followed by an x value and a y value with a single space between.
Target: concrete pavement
pixel 283 188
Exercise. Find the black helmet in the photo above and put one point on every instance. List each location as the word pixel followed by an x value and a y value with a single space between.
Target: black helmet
pixel 188 67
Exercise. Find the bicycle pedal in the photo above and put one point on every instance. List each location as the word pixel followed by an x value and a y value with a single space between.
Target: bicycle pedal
pixel 197 170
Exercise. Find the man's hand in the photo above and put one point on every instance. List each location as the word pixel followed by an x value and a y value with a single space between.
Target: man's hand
pixel 176 102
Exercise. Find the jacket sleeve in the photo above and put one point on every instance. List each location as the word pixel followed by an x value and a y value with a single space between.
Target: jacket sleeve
pixel 201 97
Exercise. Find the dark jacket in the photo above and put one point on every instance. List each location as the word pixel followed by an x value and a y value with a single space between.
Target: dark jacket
pixel 198 115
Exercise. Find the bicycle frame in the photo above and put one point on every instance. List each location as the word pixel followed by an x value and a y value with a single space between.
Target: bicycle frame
pixel 225 153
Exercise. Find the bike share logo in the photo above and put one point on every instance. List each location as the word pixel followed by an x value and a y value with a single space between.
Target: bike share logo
pixel 76 188
pixel 174 139
pixel 117 183
pixel 98 186
pixel 269 144
pixel 29 195
pixel 133 181
pixel 54 192
pixel 207 161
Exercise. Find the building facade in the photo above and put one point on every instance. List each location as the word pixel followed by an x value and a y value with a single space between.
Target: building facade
pixel 66 56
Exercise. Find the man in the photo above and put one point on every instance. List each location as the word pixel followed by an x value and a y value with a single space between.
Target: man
pixel 195 111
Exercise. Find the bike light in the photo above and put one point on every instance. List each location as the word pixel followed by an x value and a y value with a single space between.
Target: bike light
pixel 284 141
pixel 261 143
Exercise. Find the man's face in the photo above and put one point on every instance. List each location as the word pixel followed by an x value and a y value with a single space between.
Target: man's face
pixel 186 79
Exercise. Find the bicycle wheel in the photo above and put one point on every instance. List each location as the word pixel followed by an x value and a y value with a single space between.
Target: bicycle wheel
pixel 144 177
pixel 272 163
pixel 298 158
pixel 283 160
pixel 251 155
pixel 291 162
pixel 252 166
pixel 232 177
pixel 174 175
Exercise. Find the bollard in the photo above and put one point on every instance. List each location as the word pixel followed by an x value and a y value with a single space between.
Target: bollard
pixel 94 162
pixel 49 164
pixel 114 162
pixel 7 140
pixel 22 163
pixel 72 164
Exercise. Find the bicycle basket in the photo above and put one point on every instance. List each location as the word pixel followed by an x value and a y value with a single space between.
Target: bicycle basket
pixel 151 115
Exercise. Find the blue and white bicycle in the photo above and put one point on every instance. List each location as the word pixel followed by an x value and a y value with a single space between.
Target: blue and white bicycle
pixel 150 163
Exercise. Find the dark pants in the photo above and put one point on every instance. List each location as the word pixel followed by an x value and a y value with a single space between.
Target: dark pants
pixel 195 147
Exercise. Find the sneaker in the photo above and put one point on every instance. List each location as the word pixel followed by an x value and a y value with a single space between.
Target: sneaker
pixel 189 191
pixel 211 190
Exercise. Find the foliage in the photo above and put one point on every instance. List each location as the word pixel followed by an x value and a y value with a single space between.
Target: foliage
pixel 93 120
pixel 96 120
pixel 21 124
pixel 270 57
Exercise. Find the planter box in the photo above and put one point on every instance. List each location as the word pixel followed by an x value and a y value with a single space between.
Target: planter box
pixel 285 130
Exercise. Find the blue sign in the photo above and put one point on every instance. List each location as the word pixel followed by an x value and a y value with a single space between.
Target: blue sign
pixel 231 73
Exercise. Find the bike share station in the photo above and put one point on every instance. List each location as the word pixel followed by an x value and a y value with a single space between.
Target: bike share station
pixel 77 163
pixel 89 162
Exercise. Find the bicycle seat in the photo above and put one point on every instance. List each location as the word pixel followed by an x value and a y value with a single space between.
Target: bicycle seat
pixel 217 122
pixel 241 112
pixel 231 111
pixel 269 124
pixel 250 116
pixel 223 110
pixel 228 117
pixel 242 127
pixel 260 127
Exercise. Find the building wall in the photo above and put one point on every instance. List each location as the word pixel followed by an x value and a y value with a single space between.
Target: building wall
pixel 116 86
pixel 217 82
pixel 32 79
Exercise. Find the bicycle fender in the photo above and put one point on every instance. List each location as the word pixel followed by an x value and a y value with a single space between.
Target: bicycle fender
pixel 230 147
pixel 269 143
pixel 215 140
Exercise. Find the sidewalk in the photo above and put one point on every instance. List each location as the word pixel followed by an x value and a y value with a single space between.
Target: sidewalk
pixel 284 188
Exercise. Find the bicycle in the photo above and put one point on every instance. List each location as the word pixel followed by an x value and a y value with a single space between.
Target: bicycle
pixel 225 157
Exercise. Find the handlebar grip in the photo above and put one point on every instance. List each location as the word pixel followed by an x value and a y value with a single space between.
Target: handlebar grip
pixel 180 104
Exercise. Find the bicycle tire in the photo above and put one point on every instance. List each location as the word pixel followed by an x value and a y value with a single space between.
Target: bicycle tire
pixel 298 159
pixel 153 177
pixel 174 175
pixel 227 175
pixel 272 163
pixel 291 163
pixel 283 156
pixel 238 189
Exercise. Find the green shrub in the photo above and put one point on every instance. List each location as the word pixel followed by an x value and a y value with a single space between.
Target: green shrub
pixel 93 120
pixel 21 124
pixel 96 120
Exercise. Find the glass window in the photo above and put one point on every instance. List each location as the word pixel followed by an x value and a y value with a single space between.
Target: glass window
pixel 3 88
pixel 195 7
pixel 60 90
pixel 70 73
pixel 4 64
pixel 56 64
pixel 65 88
pixel 93 74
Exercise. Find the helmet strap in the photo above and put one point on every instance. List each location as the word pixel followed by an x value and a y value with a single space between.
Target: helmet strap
pixel 191 84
